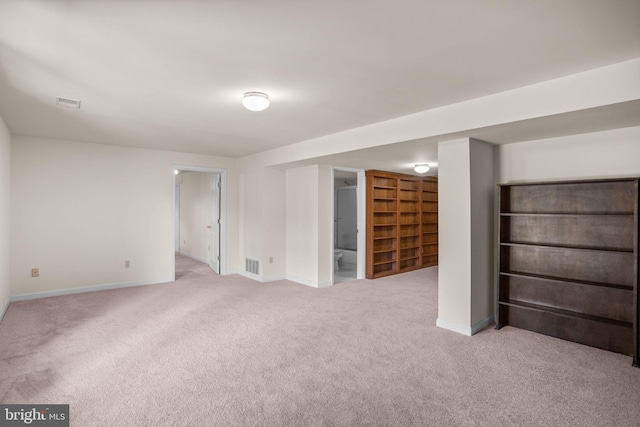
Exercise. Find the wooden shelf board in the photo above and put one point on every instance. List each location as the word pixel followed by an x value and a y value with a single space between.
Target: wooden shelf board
pixel 382 251
pixel 564 280
pixel 384 262
pixel 582 248
pixel 552 214
pixel 386 198
pixel 564 313
pixel 384 187
pixel 384 238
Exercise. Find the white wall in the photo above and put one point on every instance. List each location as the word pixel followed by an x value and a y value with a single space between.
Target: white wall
pixel 80 210
pixel 5 215
pixel 608 154
pixel 195 214
pixel 262 220
pixel 454 233
pixel 302 224
pixel 325 225
pixel 466 238
pixel 309 219
pixel 482 233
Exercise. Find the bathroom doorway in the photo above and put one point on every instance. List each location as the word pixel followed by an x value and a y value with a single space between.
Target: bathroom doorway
pixel 348 224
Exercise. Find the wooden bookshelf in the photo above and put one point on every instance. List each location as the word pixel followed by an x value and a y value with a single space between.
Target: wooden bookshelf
pixel 399 228
pixel 429 228
pixel 569 261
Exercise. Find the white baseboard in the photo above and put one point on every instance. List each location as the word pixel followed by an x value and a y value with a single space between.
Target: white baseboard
pixel 4 309
pixel 251 276
pixel 477 327
pixel 93 288
pixel 288 277
pixel 461 329
pixel 465 330
pixel 307 282
pixel 197 258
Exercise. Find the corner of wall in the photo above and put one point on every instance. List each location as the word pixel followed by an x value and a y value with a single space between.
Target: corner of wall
pixel 5 217
pixel 3 309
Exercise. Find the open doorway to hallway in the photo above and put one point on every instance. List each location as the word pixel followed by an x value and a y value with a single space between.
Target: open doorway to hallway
pixel 199 219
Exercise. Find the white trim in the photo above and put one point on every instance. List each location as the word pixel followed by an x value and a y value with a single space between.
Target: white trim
pixel 288 277
pixel 251 276
pixel 197 258
pixel 4 309
pixel 274 278
pixel 93 288
pixel 309 282
pixel 461 329
pixel 482 324
pixel 261 279
pixel 362 224
pixel 465 330
pixel 361 197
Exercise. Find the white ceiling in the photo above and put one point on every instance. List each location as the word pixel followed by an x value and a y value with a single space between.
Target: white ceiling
pixel 170 74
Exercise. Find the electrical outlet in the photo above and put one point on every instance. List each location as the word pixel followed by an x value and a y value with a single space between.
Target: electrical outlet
pixel 270 260
pixel 127 264
pixel 35 272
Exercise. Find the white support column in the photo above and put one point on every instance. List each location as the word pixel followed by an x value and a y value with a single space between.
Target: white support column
pixel 466 236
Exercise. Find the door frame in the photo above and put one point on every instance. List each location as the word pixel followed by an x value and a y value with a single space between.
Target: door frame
pixel 223 212
pixel 215 179
pixel 361 221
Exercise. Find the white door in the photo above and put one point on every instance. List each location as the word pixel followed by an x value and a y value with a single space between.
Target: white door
pixel 214 227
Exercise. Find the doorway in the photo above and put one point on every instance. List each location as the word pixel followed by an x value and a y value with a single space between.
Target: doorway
pixel 348 224
pixel 199 219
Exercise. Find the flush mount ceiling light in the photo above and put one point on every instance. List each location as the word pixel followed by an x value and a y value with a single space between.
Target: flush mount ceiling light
pixel 255 101
pixel 67 103
pixel 421 168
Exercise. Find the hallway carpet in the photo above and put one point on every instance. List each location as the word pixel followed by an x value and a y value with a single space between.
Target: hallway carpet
pixel 227 351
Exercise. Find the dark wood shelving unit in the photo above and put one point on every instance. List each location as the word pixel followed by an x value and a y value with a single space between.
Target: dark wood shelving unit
pixel 401 235
pixel 569 261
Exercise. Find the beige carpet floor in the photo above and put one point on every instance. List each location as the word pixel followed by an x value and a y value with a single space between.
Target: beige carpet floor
pixel 227 351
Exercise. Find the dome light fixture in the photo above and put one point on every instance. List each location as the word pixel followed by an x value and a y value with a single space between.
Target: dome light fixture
pixel 255 101
pixel 421 168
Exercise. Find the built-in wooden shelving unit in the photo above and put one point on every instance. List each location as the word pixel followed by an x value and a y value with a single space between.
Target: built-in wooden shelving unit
pixel 402 223
pixel 569 261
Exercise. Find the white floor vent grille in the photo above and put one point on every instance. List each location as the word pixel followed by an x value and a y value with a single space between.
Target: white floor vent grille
pixel 252 265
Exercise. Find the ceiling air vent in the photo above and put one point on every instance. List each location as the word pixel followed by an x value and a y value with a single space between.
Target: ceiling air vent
pixel 67 103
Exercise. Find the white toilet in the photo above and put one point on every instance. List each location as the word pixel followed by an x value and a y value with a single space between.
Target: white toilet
pixel 337 254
